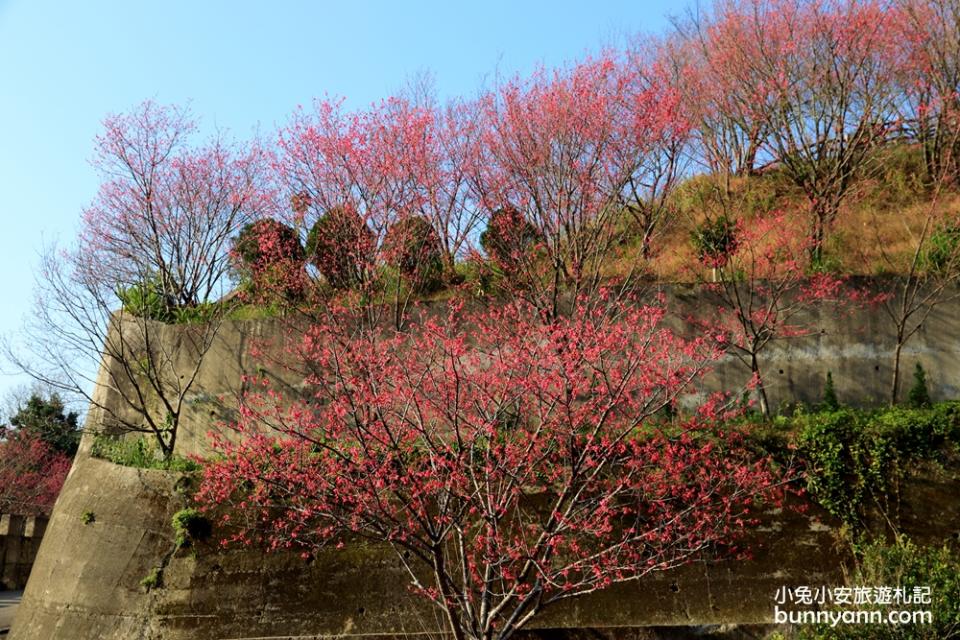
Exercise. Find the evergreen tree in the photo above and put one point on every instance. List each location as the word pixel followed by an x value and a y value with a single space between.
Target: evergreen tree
pixel 919 395
pixel 829 401
pixel 47 419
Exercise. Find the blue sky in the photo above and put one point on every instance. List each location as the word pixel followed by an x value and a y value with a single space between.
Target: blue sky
pixel 240 65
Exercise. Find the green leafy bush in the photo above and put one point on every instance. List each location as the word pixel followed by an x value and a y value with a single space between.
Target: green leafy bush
pixel 148 299
pixel 269 258
pixel 855 459
pixel 153 580
pixel 508 239
pixel 907 565
pixel 412 246
pixel 266 241
pixel 88 517
pixel 943 252
pixel 340 246
pixel 139 453
pixel 189 526
pixel 715 241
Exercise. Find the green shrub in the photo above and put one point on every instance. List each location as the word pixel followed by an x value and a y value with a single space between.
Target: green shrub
pixel 148 299
pixel 508 239
pixel 919 397
pixel 189 526
pixel 855 460
pixel 907 565
pixel 715 241
pixel 478 276
pixel 153 580
pixel 829 400
pixel 138 452
pixel 340 246
pixel 265 242
pixel 827 445
pixel 943 250
pixel 88 517
pixel 269 258
pixel 412 246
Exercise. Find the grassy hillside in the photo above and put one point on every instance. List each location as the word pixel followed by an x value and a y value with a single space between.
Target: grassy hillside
pixel 882 214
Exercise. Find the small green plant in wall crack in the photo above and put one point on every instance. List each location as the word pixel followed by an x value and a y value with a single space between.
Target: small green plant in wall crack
pixel 153 580
pixel 189 526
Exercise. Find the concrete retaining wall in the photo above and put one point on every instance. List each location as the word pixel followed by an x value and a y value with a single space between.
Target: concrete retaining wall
pixel 20 538
pixel 86 582
pixel 857 348
pixel 87 579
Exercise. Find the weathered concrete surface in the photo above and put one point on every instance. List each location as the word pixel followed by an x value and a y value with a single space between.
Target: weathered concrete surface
pixel 856 347
pixel 86 581
pixel 20 538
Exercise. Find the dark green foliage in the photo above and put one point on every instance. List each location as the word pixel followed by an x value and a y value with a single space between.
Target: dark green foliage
pixel 509 238
pixel 903 564
pixel 340 246
pixel 478 275
pixel 189 526
pixel 715 241
pixel 139 453
pixel 266 241
pixel 269 258
pixel 829 401
pixel 854 460
pixel 919 397
pixel 412 246
pixel 46 418
pixel 87 517
pixel 148 299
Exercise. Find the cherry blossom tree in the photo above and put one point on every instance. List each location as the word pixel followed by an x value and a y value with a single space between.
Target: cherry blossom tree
pixel 923 253
pixel 713 55
pixel 510 470
pixel 562 149
pixel 365 168
pixel 821 91
pixel 646 196
pixel 31 473
pixel 442 162
pixel 929 79
pixel 153 250
pixel 336 159
pixel 762 286
pixel 167 208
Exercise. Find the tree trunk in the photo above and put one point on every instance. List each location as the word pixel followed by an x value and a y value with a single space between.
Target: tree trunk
pixel 440 575
pixel 816 238
pixel 761 391
pixel 895 383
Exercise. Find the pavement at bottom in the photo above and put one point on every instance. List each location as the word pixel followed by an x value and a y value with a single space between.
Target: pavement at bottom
pixel 8 606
